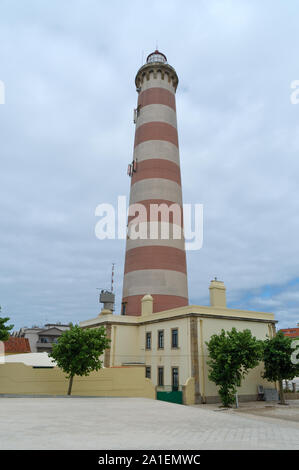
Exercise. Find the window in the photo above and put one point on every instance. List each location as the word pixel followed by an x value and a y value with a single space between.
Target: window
pixel 161 339
pixel 148 340
pixel 175 338
pixel 148 372
pixel 175 378
pixel 160 376
pixel 43 339
pixel 123 308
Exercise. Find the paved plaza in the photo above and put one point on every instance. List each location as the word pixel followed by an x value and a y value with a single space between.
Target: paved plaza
pixel 139 423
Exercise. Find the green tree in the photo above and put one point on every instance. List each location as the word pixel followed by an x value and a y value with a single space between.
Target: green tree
pixel 279 361
pixel 232 354
pixel 78 351
pixel 4 329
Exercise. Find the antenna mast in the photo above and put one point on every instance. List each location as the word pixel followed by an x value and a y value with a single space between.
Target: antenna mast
pixel 112 277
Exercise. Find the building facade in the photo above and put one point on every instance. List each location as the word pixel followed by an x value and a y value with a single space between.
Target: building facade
pixel 46 339
pixel 171 345
pixel 291 332
pixel 42 339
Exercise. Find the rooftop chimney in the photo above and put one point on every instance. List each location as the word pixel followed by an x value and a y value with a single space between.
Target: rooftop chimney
pixel 147 305
pixel 217 293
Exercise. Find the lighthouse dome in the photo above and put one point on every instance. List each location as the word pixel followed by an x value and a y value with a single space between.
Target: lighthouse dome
pixel 156 56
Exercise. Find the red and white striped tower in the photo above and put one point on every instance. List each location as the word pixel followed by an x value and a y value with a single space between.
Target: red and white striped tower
pixel 156 266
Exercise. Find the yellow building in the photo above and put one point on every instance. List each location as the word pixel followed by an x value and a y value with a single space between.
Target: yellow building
pixel 171 345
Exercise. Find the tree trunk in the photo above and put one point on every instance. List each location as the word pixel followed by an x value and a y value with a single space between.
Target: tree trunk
pixel 70 385
pixel 281 393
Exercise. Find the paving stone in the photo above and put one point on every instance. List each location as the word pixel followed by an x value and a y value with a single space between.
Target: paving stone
pixel 136 423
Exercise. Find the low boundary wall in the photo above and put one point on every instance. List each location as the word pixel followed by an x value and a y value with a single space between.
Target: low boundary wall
pixel 17 378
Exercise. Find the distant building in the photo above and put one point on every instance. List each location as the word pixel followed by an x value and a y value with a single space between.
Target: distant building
pixel 16 345
pixel 41 339
pixel 31 359
pixel 46 339
pixel 31 334
pixel 291 332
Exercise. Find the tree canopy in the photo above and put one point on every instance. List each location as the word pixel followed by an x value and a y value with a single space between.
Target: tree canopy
pixel 78 351
pixel 4 329
pixel 232 354
pixel 279 361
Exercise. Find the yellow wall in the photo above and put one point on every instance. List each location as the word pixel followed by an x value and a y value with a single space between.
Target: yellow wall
pixel 128 346
pixel 211 326
pixel 124 345
pixel 128 343
pixel 167 357
pixel 189 392
pixel 17 378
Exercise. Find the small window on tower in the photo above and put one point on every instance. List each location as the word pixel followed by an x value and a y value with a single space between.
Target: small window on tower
pixel 123 308
pixel 129 171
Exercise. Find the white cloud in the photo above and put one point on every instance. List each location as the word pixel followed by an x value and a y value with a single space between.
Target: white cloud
pixel 67 136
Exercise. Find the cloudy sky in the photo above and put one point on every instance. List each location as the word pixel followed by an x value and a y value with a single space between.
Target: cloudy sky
pixel 66 137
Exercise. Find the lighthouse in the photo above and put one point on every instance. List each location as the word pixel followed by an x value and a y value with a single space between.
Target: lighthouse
pixel 155 260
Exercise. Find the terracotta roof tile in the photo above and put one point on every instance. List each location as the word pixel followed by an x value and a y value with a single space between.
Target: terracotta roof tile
pixel 291 332
pixel 15 345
